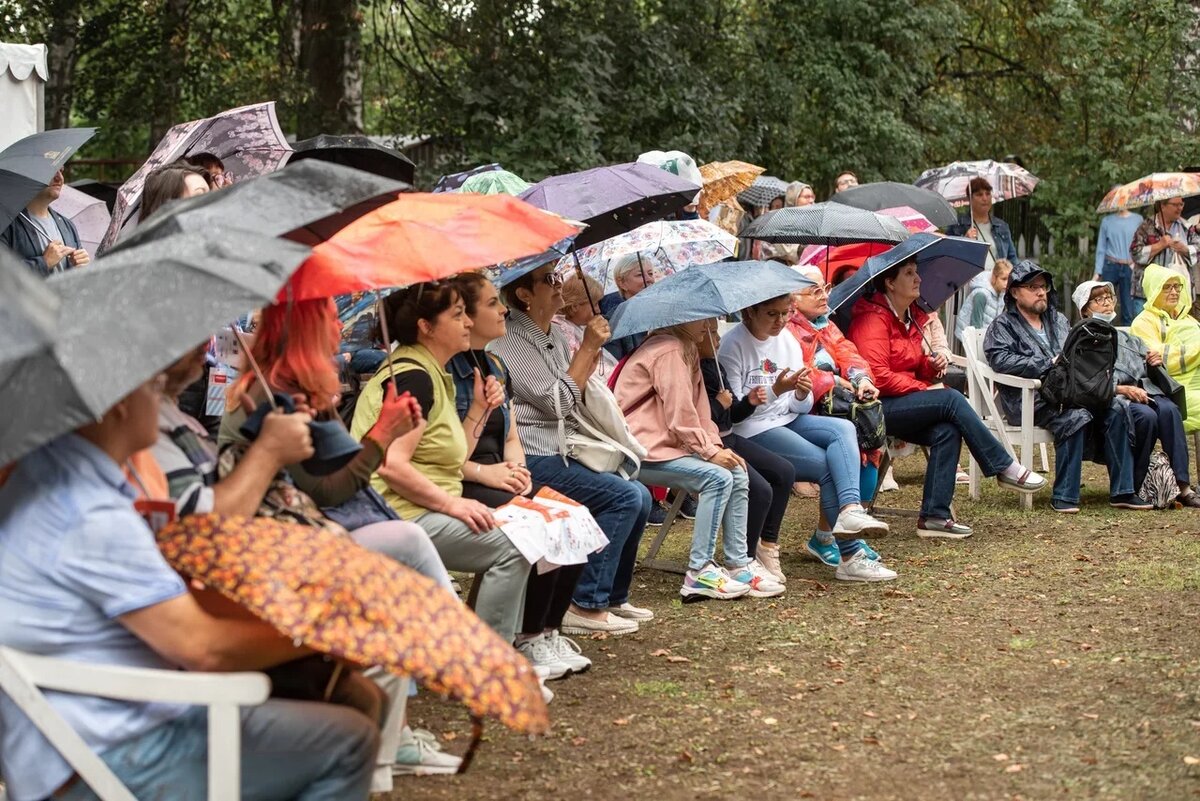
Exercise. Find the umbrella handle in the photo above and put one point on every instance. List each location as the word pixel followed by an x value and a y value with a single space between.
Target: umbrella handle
pixel 476 736
pixel 591 303
pixel 258 373
pixel 387 341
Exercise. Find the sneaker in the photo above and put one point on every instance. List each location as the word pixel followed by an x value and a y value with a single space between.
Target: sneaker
pixel 631 612
pixel 658 514
pixel 1028 482
pixel 611 624
pixel 568 652
pixel 855 520
pixel 687 509
pixel 420 754
pixel 1189 499
pixel 942 529
pixel 768 557
pixel 825 552
pixel 860 568
pixel 1132 501
pixel 888 484
pixel 543 655
pixel 1064 507
pixel 547 693
pixel 762 583
pixel 711 581
pixel 962 477
pixel 806 489
pixel 870 552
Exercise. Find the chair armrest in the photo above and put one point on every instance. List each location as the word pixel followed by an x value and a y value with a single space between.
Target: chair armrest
pixel 1007 380
pixel 960 361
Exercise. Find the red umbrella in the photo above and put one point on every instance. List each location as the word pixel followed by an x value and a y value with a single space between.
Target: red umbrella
pixel 423 237
pixel 836 262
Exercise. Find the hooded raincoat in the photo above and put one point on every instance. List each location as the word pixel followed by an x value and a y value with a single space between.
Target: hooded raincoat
pixel 1176 334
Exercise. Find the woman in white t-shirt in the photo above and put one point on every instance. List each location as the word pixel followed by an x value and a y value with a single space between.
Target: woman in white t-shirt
pixel 771 367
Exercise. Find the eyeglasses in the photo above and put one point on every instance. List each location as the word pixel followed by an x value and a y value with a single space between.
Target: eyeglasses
pixel 817 291
pixel 1173 288
pixel 1037 289
pixel 553 278
pixel 1104 299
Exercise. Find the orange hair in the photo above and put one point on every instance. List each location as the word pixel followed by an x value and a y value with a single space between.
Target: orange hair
pixel 295 345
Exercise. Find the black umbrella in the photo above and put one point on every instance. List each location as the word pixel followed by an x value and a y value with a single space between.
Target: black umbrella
pixel 28 165
pixel 28 309
pixel 358 152
pixel 98 190
pixel 825 224
pixel 612 200
pixel 455 180
pixel 128 316
pixel 890 195
pixel 298 196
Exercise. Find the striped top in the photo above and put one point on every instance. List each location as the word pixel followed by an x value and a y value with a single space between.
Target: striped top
pixel 188 458
pixel 543 394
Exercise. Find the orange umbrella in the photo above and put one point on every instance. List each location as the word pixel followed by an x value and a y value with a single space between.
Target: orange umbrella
pixel 724 180
pixel 422 237
pixel 339 598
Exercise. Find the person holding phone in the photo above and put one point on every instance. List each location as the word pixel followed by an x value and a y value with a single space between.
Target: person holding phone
pixel 771 370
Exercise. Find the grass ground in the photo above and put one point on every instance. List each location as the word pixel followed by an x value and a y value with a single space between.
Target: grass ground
pixel 1047 657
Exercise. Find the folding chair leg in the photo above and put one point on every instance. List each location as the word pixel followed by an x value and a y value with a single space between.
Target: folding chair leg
pixel 662 564
pixel 1045 458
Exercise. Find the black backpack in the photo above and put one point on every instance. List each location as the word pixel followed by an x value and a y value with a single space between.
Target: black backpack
pixel 1082 375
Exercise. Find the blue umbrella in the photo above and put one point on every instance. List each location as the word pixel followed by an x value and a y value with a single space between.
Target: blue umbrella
pixel 508 272
pixel 704 291
pixel 944 263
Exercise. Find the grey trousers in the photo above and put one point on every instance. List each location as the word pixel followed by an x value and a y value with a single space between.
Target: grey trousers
pixel 502 595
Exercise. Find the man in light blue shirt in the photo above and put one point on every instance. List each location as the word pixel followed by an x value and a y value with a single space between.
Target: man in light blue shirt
pixel 1113 263
pixel 82 579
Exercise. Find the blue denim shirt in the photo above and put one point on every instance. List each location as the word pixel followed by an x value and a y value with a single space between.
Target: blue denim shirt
pixel 1000 233
pixel 462 370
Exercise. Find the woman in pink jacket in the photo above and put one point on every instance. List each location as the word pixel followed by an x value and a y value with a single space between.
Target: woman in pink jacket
pixel 661 392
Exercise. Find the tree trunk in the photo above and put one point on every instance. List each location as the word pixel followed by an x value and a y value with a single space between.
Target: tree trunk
pixel 62 33
pixel 173 60
pixel 330 57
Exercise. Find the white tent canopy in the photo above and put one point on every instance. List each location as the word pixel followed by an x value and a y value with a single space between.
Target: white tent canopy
pixel 22 91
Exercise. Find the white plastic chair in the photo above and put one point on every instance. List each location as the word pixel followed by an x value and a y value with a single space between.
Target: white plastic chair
pixel 983 383
pixel 24 676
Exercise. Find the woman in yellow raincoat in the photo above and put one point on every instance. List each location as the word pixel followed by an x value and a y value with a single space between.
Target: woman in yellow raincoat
pixel 1167 328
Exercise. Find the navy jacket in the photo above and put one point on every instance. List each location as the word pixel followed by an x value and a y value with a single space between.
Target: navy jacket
pixel 25 239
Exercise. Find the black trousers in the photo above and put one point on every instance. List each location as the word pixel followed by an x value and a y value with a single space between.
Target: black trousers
pixel 771 478
pixel 1159 421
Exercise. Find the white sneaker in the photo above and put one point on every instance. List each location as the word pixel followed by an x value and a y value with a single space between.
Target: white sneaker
pixel 711 581
pixel 860 568
pixel 768 557
pixel 762 583
pixel 857 524
pixel 631 612
pixel 418 753
pixel 568 652
pixel 586 626
pixel 547 693
pixel 888 484
pixel 544 658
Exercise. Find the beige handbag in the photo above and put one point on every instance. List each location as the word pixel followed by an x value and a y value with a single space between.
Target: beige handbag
pixel 602 440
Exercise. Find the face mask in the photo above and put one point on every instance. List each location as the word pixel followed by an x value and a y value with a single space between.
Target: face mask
pixel 1107 317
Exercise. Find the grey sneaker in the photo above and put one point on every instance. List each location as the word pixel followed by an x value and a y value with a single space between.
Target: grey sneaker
pixel 568 652
pixel 942 529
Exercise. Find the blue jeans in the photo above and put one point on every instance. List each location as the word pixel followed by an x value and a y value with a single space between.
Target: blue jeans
pixel 1068 458
pixel 620 507
pixel 301 750
pixel 941 420
pixel 1121 277
pixel 1159 420
pixel 1138 305
pixel 824 450
pixel 724 495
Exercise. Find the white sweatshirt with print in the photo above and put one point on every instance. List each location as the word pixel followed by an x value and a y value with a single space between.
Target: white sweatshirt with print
pixel 751 363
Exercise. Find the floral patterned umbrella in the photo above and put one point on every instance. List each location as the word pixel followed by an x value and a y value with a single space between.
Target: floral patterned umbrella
pixel 724 180
pixel 666 246
pixel 1151 189
pixel 248 140
pixel 1008 180
pixel 338 598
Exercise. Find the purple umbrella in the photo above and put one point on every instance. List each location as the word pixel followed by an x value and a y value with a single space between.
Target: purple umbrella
pixel 247 139
pixel 89 215
pixel 612 200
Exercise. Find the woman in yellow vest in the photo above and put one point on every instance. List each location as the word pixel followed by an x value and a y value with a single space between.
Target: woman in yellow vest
pixel 1168 329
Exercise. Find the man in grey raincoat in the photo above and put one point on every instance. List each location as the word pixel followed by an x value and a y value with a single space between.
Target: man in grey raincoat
pixel 1024 341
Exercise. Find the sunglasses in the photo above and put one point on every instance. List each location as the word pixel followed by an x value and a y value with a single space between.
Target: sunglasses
pixel 553 278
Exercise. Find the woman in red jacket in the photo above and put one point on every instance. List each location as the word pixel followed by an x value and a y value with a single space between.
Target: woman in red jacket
pixel 886 327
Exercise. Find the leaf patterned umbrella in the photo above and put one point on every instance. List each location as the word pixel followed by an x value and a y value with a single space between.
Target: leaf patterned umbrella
pixel 248 140
pixel 724 180
pixel 1008 180
pixel 338 598
pixel 1149 190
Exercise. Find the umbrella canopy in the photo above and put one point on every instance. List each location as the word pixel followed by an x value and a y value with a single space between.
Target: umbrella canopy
pixel 312 200
pixel 89 215
pixel 341 599
pixel 495 182
pixel 28 165
pixel 28 312
pixel 890 194
pixel 724 180
pixel 424 237
pixel 247 139
pixel 612 200
pixel 825 224
pixel 358 152
pixel 944 263
pixel 1149 190
pixel 675 162
pixel 667 246
pixel 1008 180
pixel 842 260
pixel 128 316
pixel 105 192
pixel 913 220
pixel 704 291
pixel 455 180
pixel 764 189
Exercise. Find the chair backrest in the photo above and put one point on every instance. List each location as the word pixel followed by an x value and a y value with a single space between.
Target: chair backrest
pixel 980 384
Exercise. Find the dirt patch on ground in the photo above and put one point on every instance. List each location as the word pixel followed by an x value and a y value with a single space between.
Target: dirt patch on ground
pixel 1047 657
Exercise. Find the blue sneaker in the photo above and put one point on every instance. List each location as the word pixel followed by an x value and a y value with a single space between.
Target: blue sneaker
pixel 826 553
pixel 869 552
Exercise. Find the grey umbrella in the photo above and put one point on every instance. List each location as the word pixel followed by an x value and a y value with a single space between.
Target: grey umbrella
pixel 28 309
pixel 764 189
pixel 309 193
pixel 825 224
pixel 127 317
pixel 27 165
